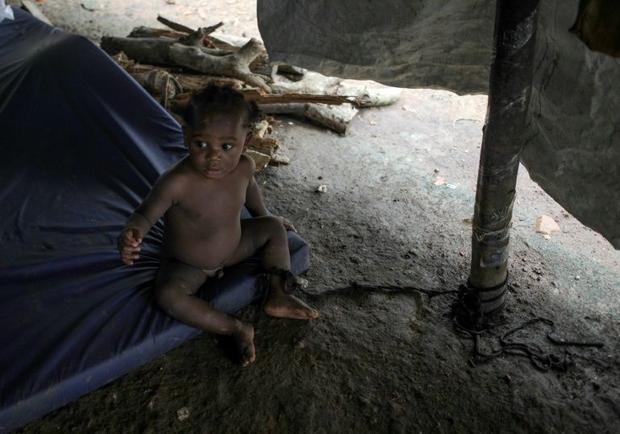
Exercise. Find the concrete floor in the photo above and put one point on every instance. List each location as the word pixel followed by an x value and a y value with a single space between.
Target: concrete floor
pixel 382 219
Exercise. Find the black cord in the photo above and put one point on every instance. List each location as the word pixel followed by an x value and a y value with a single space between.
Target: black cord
pixel 470 322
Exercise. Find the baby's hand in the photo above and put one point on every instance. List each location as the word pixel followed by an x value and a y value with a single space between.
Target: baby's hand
pixel 129 245
pixel 287 225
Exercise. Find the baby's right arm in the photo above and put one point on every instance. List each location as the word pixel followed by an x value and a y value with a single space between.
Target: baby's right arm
pixel 158 201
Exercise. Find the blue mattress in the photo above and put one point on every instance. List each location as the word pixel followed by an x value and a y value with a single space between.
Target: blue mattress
pixel 81 144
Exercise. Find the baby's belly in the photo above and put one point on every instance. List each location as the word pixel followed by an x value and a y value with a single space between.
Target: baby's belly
pixel 202 251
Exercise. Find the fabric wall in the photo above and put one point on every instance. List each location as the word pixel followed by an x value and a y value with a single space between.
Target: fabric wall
pixel 572 144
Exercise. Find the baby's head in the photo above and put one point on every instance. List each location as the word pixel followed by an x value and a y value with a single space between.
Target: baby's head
pixel 218 123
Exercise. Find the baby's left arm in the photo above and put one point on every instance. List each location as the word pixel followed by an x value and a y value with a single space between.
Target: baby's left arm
pixel 254 200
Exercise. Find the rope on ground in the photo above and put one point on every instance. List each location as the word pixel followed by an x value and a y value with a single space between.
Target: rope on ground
pixel 541 360
pixel 469 322
pixel 356 287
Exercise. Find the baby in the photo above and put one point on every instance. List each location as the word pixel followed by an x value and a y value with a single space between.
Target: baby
pixel 201 198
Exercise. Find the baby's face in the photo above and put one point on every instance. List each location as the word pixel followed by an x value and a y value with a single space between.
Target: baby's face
pixel 216 146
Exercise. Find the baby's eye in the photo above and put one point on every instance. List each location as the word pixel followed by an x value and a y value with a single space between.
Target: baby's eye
pixel 201 145
pixel 227 146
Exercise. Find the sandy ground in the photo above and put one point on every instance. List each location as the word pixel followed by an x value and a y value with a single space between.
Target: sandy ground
pixel 380 361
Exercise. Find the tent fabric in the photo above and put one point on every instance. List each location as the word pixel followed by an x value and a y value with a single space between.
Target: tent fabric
pixel 406 43
pixel 571 144
pixel 81 144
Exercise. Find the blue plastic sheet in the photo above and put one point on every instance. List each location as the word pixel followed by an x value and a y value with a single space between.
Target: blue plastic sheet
pixel 81 143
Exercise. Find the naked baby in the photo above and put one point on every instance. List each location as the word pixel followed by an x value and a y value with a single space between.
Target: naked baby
pixel 200 199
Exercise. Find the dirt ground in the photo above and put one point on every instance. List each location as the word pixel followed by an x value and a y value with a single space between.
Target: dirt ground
pixel 381 361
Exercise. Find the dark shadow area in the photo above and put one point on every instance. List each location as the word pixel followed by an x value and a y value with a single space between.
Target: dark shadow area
pixel 598 25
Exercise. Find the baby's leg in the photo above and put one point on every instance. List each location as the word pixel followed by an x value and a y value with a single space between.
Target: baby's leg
pixel 174 288
pixel 269 234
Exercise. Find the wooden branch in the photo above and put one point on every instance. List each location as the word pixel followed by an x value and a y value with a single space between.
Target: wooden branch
pixel 125 62
pixel 264 151
pixel 235 65
pixel 159 83
pixel 150 32
pixel 260 148
pixel 194 82
pixel 175 26
pixel 265 145
pixel 210 29
pixel 261 128
pixel 365 93
pixel 336 118
pixel 154 51
pixel 259 98
pixel 188 35
pixel 159 51
pixel 199 37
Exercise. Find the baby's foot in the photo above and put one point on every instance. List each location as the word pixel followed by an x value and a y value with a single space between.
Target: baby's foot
pixel 244 339
pixel 282 305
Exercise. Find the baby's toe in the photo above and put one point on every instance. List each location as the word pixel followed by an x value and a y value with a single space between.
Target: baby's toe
pixel 248 356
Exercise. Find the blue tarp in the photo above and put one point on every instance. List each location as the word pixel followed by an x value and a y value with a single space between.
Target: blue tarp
pixel 81 143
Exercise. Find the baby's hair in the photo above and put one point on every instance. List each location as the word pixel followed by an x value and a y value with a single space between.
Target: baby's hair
pixel 219 99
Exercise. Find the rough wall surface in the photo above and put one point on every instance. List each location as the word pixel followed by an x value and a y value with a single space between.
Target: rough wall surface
pixel 572 146
pixel 408 43
pixel 573 150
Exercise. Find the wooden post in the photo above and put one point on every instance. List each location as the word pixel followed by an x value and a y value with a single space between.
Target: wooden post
pixel 502 142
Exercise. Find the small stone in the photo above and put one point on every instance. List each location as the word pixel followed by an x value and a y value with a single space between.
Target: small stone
pixel 321 188
pixel 577 277
pixel 183 413
pixel 546 225
pixel 439 180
